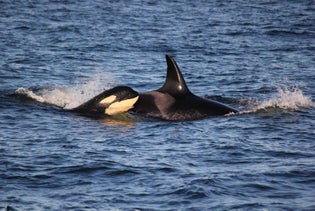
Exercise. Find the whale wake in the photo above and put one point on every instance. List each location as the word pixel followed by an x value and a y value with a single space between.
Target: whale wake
pixel 287 99
pixel 66 97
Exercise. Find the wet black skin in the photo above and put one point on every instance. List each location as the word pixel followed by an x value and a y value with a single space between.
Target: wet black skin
pixel 174 102
pixel 93 106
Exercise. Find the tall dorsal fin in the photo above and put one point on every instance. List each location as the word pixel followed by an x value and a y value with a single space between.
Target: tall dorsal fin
pixel 174 83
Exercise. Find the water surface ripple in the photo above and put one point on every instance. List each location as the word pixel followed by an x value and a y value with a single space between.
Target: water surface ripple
pixel 256 56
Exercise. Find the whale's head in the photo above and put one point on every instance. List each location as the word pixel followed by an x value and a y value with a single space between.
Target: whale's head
pixel 110 102
pixel 118 100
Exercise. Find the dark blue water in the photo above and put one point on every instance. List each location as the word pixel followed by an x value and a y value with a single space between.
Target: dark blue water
pixel 258 57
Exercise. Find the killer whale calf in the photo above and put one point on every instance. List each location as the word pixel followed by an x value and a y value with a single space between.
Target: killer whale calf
pixel 175 102
pixel 114 101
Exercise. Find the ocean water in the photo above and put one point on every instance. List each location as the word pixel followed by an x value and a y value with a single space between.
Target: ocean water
pixel 258 57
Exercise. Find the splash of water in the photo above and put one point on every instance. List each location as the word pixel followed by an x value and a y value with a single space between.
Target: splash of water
pixel 285 99
pixel 288 99
pixel 66 97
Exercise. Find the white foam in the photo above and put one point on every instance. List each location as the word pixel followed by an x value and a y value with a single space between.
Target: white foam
pixel 30 94
pixel 67 97
pixel 285 98
pixel 288 99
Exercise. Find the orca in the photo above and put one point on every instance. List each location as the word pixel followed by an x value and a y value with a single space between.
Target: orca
pixel 175 102
pixel 117 100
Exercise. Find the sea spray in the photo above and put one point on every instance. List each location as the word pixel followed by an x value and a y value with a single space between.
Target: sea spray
pixel 286 99
pixel 66 97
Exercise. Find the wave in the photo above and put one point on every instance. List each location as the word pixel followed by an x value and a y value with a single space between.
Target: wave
pixel 65 97
pixel 286 98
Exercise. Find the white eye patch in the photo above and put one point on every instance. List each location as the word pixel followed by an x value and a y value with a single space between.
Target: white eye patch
pixel 121 106
pixel 108 100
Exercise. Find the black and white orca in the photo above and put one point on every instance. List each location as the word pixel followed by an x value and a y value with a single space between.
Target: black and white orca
pixel 175 102
pixel 172 102
pixel 114 101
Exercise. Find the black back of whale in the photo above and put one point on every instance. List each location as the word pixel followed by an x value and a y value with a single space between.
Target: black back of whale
pixel 175 102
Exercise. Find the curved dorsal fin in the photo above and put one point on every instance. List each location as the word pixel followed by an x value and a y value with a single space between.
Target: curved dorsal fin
pixel 174 83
